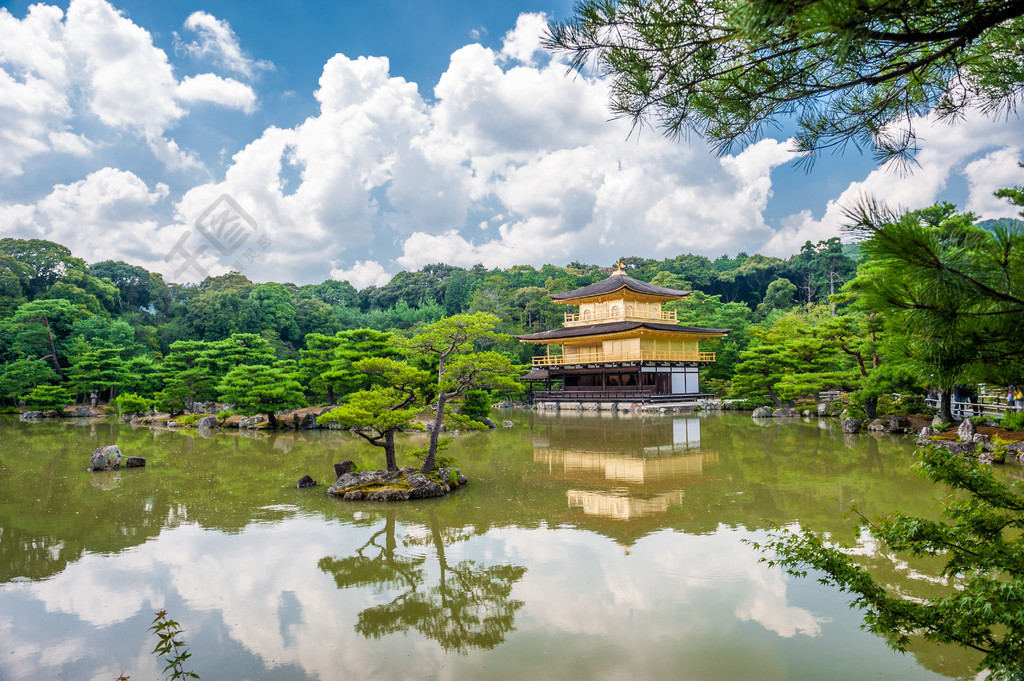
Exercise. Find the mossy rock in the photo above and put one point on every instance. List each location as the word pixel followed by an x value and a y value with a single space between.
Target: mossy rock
pixel 402 485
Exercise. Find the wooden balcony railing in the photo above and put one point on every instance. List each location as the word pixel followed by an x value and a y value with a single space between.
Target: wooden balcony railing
pixel 576 319
pixel 611 357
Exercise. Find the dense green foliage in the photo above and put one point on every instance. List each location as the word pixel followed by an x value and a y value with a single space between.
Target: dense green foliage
pixel 816 321
pixel 952 292
pixel 47 397
pixel 113 327
pixel 846 71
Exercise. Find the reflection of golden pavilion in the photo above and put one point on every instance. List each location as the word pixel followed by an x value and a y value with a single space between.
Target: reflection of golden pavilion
pixel 621 345
pixel 621 506
pixel 641 473
pixel 619 467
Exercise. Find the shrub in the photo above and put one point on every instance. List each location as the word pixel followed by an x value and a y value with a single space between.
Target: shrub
pixel 48 397
pixel 188 419
pixel 902 404
pixel 130 403
pixel 1012 420
pixel 441 461
pixel 476 405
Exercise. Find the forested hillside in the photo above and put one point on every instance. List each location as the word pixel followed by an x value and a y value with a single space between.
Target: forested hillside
pixel 70 328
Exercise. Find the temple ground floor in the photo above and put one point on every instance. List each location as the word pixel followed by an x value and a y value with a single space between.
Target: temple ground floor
pixel 639 382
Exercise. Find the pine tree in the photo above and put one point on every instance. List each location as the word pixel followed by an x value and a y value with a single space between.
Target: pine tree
pixel 382 410
pixel 261 389
pixel 449 342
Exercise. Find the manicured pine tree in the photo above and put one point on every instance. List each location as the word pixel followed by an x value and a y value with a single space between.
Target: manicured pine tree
pixel 96 368
pixel 22 375
pixel 48 397
pixel 450 342
pixel 261 389
pixel 186 376
pixel 382 410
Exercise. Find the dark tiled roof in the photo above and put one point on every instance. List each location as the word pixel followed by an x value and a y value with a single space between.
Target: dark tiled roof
pixel 616 282
pixel 615 327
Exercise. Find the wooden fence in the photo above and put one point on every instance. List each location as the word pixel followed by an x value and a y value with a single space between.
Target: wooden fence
pixel 985 405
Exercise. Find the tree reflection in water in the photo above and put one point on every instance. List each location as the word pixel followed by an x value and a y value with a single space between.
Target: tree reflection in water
pixel 469 607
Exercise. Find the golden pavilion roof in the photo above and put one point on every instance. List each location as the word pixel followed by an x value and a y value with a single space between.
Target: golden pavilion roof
pixel 615 283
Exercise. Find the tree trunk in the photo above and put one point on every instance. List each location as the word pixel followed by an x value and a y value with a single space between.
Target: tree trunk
pixel 435 432
pixel 945 410
pixel 389 450
pixel 330 395
pixel 53 349
pixel 272 417
pixel 871 407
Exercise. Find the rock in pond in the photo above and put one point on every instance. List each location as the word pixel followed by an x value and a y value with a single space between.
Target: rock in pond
pixel 79 412
pixel 106 458
pixel 852 425
pixel 762 413
pixel 252 421
pixel 135 462
pixel 895 425
pixel 306 481
pixel 967 431
pixel 208 421
pixel 785 413
pixel 30 415
pixel 344 467
pixel 401 485
pixel 507 424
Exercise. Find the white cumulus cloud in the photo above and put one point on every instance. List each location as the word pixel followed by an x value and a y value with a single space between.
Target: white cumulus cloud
pixel 207 87
pixel 217 41
pixel 511 162
pixel 93 61
pixel 946 151
pixel 364 273
pixel 111 214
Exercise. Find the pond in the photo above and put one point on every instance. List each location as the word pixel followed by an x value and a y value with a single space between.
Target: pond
pixel 586 546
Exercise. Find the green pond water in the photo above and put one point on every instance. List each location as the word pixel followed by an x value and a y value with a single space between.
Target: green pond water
pixel 586 546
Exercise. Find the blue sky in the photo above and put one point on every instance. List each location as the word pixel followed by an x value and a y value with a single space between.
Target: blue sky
pixel 354 140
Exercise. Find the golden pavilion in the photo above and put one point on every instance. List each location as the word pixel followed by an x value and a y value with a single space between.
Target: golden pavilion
pixel 620 346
